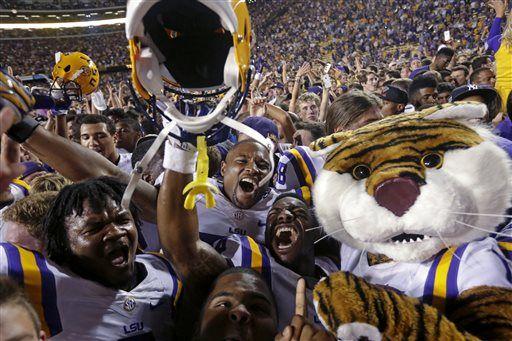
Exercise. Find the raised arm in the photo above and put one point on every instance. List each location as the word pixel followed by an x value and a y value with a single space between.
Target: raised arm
pixel 303 70
pixel 494 39
pixel 196 262
pixel 79 163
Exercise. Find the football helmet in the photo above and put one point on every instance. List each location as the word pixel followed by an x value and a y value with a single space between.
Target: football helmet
pixel 74 75
pixel 190 46
pixel 194 48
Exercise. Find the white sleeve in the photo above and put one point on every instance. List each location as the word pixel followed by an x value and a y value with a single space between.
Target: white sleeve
pixel 4 268
pixel 483 263
pixel 287 178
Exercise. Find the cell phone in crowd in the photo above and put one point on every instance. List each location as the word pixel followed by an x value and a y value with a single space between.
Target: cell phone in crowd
pixel 447 36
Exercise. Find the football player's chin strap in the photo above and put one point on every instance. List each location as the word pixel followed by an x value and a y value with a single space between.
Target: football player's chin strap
pixel 197 125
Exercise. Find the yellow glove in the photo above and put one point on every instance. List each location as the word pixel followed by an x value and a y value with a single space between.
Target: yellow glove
pixel 200 185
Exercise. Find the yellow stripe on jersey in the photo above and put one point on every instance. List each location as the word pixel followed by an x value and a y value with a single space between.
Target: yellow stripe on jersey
pixel 256 259
pixel 33 285
pixel 304 168
pixel 21 183
pixel 505 245
pixel 440 283
pixel 306 194
pixel 178 292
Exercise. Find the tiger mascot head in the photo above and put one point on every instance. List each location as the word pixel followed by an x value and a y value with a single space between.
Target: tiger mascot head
pixel 411 185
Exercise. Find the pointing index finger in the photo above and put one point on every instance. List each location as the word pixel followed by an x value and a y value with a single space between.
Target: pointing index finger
pixel 300 298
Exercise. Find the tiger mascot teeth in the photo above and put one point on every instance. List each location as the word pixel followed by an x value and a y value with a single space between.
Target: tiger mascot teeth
pixel 415 199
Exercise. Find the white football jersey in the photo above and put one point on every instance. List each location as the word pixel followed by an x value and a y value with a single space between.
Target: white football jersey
pixel 246 252
pixel 149 241
pixel 73 308
pixel 297 170
pixel 125 162
pixel 226 219
pixel 440 278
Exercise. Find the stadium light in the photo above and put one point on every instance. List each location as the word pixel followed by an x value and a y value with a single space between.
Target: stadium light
pixel 72 24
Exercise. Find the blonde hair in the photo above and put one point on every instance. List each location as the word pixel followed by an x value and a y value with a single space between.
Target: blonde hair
pixel 506 37
pixel 49 182
pixel 309 97
pixel 30 212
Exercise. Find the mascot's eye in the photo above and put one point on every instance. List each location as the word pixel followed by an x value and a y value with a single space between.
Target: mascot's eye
pixel 361 172
pixel 432 160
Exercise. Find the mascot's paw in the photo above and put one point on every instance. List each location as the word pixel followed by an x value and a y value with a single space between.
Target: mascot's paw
pixel 358 331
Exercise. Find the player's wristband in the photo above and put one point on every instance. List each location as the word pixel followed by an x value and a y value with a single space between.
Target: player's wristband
pixel 179 159
pixel 22 130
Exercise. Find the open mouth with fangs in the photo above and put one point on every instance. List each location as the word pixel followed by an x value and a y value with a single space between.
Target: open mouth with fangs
pixel 406 238
pixel 285 236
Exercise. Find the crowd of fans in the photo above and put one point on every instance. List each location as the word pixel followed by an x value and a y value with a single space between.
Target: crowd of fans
pixel 320 66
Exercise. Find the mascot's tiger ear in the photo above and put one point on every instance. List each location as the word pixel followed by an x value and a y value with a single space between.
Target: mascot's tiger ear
pixel 331 140
pixel 460 111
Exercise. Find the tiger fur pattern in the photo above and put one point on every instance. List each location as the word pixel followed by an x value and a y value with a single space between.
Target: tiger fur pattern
pixel 414 199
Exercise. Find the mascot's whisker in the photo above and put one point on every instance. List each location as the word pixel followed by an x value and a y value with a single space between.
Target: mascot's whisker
pixel 313 228
pixel 339 230
pixel 482 214
pixel 484 230
pixel 447 246
pixel 328 235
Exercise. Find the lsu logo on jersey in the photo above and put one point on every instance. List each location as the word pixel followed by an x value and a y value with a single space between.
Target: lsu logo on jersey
pixel 237 230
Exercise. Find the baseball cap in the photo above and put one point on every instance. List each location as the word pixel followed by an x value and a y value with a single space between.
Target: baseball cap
pixel 487 92
pixel 393 94
pixel 262 125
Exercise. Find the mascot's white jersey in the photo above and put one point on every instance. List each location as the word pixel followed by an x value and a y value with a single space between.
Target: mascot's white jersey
pixel 226 219
pixel 444 276
pixel 245 252
pixel 73 308
pixel 297 170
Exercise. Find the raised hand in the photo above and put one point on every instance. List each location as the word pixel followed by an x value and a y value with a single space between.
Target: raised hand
pixel 499 7
pixel 257 106
pixel 10 167
pixel 303 70
pixel 299 328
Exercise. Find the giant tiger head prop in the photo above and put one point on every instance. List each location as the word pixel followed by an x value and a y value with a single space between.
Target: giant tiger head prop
pixel 410 185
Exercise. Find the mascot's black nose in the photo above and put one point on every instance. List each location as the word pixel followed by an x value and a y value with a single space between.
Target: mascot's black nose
pixel 397 194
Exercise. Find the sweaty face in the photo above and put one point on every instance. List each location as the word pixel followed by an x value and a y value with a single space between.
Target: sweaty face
pixel 288 220
pixel 126 136
pixel 309 111
pixel 96 137
pixel 245 166
pixel 103 244
pixel 459 78
pixel 17 324
pixel 240 307
pixel 427 97
pixel 486 77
